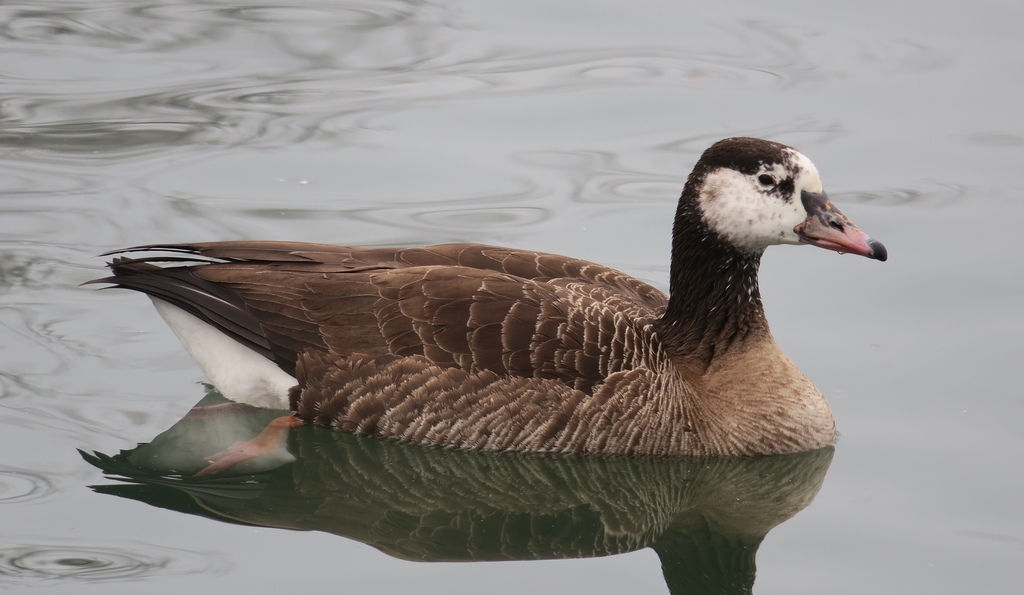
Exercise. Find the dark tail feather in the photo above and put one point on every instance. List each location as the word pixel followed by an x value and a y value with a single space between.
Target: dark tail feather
pixel 210 302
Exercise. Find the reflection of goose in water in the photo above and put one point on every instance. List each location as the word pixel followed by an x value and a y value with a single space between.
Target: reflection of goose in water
pixel 483 347
pixel 704 517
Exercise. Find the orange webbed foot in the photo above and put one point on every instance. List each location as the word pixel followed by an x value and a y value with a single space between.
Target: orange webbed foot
pixel 268 442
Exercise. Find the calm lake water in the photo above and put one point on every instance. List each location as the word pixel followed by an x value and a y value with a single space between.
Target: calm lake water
pixel 560 126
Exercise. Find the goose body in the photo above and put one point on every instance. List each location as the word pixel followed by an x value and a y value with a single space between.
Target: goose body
pixel 478 346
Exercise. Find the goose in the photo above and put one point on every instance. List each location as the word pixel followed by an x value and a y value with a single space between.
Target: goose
pixel 477 346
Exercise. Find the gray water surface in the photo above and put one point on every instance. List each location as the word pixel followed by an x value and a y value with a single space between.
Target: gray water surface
pixel 559 126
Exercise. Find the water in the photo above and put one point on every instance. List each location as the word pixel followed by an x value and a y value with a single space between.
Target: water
pixel 559 126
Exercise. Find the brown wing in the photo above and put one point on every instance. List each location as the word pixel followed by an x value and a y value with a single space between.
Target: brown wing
pixel 467 306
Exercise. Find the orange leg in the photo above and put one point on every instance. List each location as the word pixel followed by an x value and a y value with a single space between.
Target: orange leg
pixel 269 441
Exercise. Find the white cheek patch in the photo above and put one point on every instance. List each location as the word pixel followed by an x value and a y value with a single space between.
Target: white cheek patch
pixel 736 208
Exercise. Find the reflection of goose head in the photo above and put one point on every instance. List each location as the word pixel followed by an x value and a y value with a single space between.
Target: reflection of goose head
pixel 704 517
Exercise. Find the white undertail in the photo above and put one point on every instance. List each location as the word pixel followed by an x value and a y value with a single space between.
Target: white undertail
pixel 239 373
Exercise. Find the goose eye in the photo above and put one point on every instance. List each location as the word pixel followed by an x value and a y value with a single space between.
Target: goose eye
pixel 766 180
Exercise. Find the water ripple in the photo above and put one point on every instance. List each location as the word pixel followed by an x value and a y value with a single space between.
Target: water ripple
pixel 22 270
pixel 490 217
pixel 118 26
pixel 486 213
pixel 937 196
pixel 22 486
pixel 160 26
pixel 36 181
pixel 297 94
pixel 800 132
pixel 95 136
pixel 602 177
pixel 617 188
pixel 992 140
pixel 33 563
pixel 904 57
pixel 353 14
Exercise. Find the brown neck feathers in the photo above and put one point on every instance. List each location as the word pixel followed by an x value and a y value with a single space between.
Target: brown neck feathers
pixel 714 300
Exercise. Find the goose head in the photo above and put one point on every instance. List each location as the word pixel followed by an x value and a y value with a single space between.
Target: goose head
pixel 752 193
